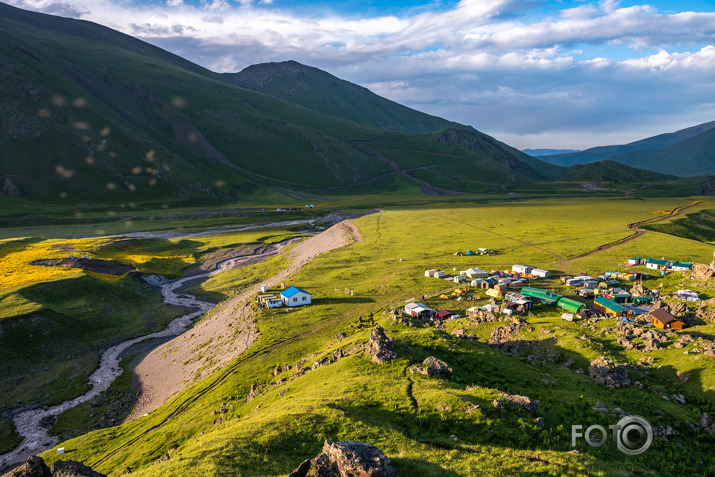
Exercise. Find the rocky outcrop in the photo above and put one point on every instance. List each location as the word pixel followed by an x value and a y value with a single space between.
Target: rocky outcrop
pixel 71 468
pixel 431 367
pixel 252 393
pixel 604 371
pixel 36 467
pixel 527 404
pixel 347 458
pixel 33 467
pixel 702 271
pixel 9 188
pixel 639 290
pixel 379 346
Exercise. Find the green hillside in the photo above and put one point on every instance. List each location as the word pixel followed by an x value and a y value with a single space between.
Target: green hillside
pixel 320 91
pixel 613 172
pixel 623 153
pixel 92 115
pixel 689 158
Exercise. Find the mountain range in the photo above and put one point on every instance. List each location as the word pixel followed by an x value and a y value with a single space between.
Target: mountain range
pixel 685 153
pixel 91 115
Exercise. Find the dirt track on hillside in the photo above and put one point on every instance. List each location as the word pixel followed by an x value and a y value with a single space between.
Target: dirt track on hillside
pixel 224 335
pixel 637 231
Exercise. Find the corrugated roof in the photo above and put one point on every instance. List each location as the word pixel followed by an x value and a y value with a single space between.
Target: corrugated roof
pixel 610 304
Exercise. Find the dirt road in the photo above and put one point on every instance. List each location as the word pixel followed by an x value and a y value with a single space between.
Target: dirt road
pixel 173 366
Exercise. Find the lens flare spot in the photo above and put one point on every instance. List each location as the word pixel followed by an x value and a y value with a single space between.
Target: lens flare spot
pixel 111 186
pixel 105 131
pixel 178 102
pixel 89 160
pixel 136 170
pixel 79 102
pixel 43 113
pixel 150 155
pixel 63 171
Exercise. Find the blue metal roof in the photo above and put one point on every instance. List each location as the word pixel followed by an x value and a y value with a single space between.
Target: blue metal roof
pixel 289 292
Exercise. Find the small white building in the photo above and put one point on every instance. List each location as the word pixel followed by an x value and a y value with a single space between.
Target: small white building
pixel 440 274
pixel 416 309
pixel 522 269
pixel 635 261
pixel 541 273
pixel 294 296
pixel 460 279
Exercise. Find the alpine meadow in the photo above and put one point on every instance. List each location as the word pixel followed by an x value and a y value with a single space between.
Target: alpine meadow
pixel 279 272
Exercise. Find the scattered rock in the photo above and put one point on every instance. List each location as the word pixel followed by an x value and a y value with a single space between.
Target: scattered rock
pixel 498 404
pixel 252 393
pixel 604 371
pixel 471 409
pixel 523 402
pixel 379 346
pixel 9 188
pixel 347 458
pixel 664 432
pixel 540 422
pixel 679 398
pixel 458 333
pixel 36 467
pixel 432 366
pixel 702 271
pixel 639 290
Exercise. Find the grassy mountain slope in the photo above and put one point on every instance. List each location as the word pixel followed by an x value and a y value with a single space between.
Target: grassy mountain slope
pixel 92 115
pixel 320 91
pixel 613 172
pixel 652 143
pixel 688 158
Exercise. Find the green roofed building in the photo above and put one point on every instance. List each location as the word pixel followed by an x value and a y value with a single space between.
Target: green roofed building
pixel 612 308
pixel 544 296
pixel 571 306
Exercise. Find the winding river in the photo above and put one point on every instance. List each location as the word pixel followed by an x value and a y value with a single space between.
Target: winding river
pixel 35 437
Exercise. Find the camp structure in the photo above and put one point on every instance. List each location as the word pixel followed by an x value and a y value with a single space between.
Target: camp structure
pixel 517 299
pixel 570 306
pixel 540 273
pixel 612 308
pixel 543 296
pixel 417 310
pixel 495 293
pixel 293 296
pixel 460 279
pixel 525 269
pixel 269 300
pixel 430 273
pixel 681 266
pixel 643 300
pixel 663 319
pixel 636 261
pixel 440 274
pixel 444 314
pixel 620 297
pixel 474 273
pixel 657 264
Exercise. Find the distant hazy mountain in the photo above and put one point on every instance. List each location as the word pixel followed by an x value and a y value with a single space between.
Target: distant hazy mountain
pixel 687 152
pixel 547 152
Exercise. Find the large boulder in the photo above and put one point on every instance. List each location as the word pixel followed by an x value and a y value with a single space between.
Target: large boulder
pixel 639 290
pixel 33 467
pixel 702 271
pixel 431 367
pixel 604 371
pixel 527 404
pixel 379 346
pixel 347 459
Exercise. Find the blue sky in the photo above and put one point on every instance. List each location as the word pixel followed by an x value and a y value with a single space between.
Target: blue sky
pixel 535 74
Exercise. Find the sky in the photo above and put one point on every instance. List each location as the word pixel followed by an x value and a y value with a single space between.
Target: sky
pixel 534 74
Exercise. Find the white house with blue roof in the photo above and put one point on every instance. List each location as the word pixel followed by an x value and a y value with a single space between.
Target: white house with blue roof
pixel 294 296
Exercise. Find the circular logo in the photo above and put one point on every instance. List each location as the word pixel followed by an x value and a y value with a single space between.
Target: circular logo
pixel 633 435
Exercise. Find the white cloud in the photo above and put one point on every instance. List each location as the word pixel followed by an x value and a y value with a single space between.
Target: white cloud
pixel 491 63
